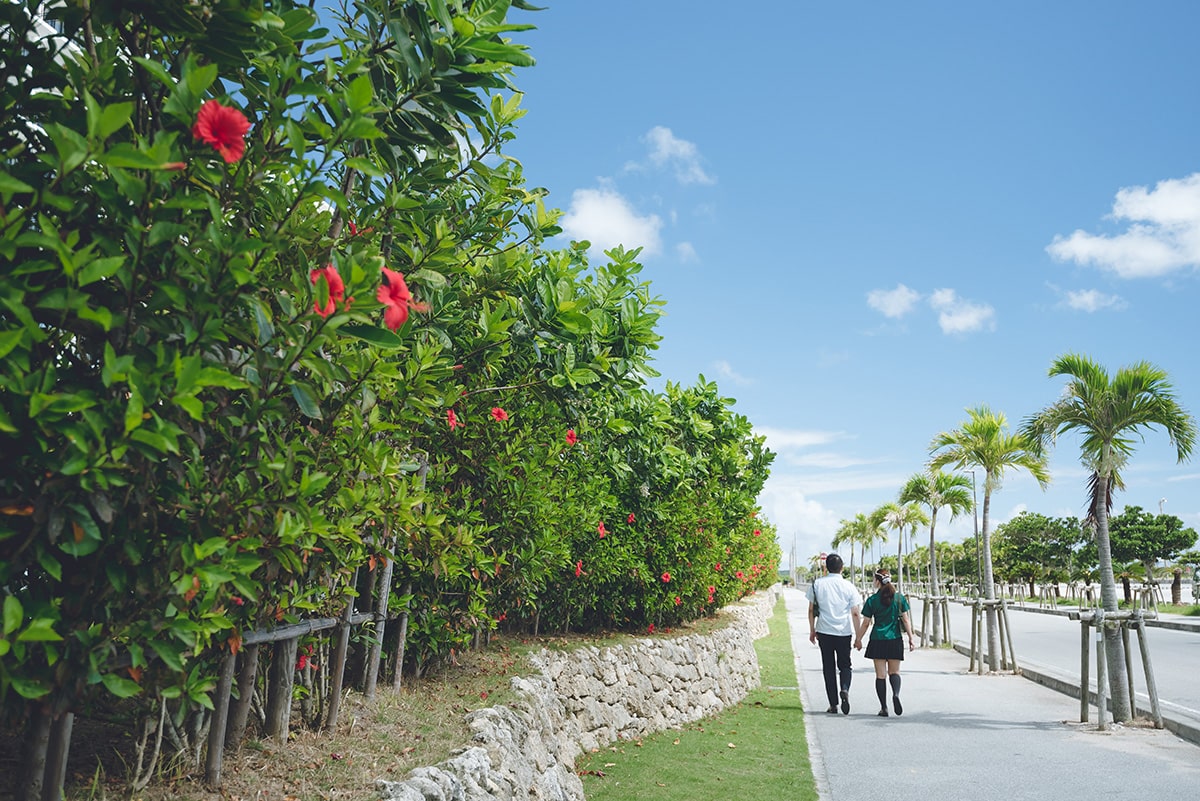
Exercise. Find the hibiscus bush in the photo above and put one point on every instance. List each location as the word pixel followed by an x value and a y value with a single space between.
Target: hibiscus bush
pixel 275 310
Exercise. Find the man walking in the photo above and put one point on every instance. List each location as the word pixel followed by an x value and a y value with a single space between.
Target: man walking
pixel 834 606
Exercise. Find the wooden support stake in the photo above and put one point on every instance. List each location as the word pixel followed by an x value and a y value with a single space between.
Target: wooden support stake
pixel 1148 669
pixel 56 757
pixel 247 674
pixel 220 722
pixel 1101 672
pixel 1084 665
pixel 341 646
pixel 280 680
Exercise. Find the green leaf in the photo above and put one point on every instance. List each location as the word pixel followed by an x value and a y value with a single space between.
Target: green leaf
pixel 9 340
pixel 359 94
pixel 28 688
pixel 170 654
pixel 9 186
pixel 13 614
pixel 306 401
pixel 99 269
pixel 119 686
pixel 379 337
pixel 156 69
pixel 216 377
pixel 127 156
pixel 40 630
pixel 113 118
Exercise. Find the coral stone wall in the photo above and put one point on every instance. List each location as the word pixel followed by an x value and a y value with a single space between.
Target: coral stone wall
pixel 587 699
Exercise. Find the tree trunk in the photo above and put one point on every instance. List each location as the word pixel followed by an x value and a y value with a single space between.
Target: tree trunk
pixel 989 584
pixel 1118 685
pixel 33 754
pixel 1177 588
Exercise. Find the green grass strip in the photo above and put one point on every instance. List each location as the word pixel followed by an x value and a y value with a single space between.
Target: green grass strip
pixel 756 749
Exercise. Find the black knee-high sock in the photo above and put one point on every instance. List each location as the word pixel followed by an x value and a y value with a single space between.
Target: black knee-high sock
pixel 881 691
pixel 895 680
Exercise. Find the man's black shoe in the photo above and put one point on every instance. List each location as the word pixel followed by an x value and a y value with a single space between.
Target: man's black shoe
pixel 845 702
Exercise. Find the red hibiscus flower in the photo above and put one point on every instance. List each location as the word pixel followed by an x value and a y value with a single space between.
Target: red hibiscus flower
pixel 666 577
pixel 630 519
pixel 678 600
pixel 571 438
pixel 718 566
pixel 224 128
pixel 395 296
pixel 452 419
pixel 740 574
pixel 601 529
pixel 757 532
pixel 711 589
pixel 579 568
pixel 337 290
pixel 498 414
pixel 650 628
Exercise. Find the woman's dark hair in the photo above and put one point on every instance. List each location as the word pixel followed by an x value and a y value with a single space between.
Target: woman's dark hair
pixel 886 591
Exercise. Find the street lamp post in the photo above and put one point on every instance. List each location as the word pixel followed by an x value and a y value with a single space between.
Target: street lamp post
pixel 978 552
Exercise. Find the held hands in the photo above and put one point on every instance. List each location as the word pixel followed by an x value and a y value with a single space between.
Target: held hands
pixel 858 643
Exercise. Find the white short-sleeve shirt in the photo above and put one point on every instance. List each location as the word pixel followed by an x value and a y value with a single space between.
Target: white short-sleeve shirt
pixel 835 598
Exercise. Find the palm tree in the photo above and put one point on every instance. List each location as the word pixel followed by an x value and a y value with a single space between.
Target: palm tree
pixel 982 441
pixel 898 517
pixel 846 534
pixel 934 490
pixel 1109 412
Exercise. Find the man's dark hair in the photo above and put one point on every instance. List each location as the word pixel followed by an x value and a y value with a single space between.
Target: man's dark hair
pixel 833 563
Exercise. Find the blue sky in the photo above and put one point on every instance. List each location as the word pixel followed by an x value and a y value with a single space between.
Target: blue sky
pixel 866 217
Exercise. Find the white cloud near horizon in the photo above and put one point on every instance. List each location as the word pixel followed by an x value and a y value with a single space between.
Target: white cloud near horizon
pixel 606 219
pixel 1092 300
pixel 893 303
pixel 960 316
pixel 1162 234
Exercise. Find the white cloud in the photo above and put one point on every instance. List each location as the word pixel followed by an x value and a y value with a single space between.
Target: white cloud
pixel 960 316
pixel 686 252
pixel 606 219
pixel 1163 233
pixel 783 439
pixel 725 370
pixel 1092 300
pixel 893 302
pixel 667 150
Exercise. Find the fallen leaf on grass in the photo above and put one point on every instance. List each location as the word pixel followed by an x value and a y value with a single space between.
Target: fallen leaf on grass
pixel 731 745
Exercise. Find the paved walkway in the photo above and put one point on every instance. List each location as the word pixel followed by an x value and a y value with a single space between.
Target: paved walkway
pixel 964 736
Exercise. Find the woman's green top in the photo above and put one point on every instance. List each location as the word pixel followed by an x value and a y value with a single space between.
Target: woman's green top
pixel 887 618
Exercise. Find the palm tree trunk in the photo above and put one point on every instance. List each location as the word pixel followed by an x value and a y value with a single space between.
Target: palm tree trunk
pixel 1118 685
pixel 934 588
pixel 900 561
pixel 989 586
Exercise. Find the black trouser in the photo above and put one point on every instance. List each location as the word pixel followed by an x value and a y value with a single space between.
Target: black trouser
pixel 835 658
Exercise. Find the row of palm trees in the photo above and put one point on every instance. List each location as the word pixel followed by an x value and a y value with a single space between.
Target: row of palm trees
pixel 1110 413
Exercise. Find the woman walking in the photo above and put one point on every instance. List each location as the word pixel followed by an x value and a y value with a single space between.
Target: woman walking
pixel 889 611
